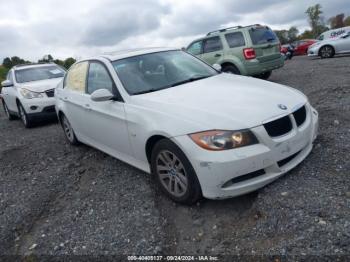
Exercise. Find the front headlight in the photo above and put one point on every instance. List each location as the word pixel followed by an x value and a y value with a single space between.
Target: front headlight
pixel 30 94
pixel 217 140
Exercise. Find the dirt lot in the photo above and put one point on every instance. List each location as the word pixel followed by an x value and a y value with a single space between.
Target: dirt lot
pixel 57 199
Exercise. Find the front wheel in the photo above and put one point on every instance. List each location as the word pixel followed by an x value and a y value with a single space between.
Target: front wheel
pixel 327 52
pixel 24 117
pixel 7 112
pixel 174 173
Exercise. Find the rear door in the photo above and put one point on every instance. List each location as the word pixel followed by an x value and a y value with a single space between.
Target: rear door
pixel 265 43
pixel 74 98
pixel 212 50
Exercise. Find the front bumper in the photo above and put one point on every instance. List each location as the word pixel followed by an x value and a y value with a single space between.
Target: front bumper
pixel 313 51
pixel 261 164
pixel 39 107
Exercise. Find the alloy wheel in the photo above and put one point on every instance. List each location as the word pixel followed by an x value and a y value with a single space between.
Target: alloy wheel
pixel 68 129
pixel 172 173
pixel 326 52
pixel 22 115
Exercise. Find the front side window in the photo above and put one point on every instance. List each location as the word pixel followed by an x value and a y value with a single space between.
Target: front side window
pixel 212 44
pixel 98 78
pixel 38 73
pixel 195 48
pixel 321 37
pixel 76 77
pixel 156 71
pixel 262 35
pixel 235 39
pixel 9 76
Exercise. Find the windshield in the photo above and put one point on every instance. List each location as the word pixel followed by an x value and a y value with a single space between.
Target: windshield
pixel 262 35
pixel 156 71
pixel 38 73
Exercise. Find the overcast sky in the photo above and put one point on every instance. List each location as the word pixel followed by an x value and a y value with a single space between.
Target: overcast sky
pixel 79 28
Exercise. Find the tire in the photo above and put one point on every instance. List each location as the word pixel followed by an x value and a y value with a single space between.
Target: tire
pixel 327 51
pixel 27 122
pixel 68 131
pixel 174 173
pixel 265 75
pixel 231 69
pixel 7 112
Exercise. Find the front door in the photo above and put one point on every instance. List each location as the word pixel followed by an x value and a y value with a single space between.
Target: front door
pixel 10 94
pixel 343 44
pixel 105 122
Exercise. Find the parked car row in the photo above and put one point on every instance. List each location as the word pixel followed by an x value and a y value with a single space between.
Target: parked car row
pixel 201 131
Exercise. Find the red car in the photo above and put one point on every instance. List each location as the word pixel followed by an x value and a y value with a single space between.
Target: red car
pixel 301 46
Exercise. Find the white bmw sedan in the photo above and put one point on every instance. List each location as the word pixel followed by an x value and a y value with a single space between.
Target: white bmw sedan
pixel 200 132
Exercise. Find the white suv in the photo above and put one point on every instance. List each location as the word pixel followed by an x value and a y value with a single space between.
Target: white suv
pixel 29 90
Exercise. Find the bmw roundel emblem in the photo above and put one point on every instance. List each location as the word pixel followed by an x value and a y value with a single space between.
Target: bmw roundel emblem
pixel 283 107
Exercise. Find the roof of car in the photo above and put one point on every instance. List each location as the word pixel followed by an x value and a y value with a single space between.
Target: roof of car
pixel 25 66
pixel 134 52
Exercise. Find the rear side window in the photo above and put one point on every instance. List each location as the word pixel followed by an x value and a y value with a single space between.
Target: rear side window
pixel 262 35
pixel 76 77
pixel 212 44
pixel 235 39
pixel 98 78
pixel 195 48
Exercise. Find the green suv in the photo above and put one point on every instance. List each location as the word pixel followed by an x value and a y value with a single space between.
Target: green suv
pixel 251 50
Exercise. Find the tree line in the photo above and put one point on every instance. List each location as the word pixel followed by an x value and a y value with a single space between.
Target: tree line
pixel 9 62
pixel 318 25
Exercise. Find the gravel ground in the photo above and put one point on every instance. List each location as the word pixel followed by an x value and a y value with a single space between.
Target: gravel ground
pixel 56 199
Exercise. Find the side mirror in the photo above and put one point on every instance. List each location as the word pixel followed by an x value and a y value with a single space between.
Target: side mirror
pixel 7 83
pixel 101 95
pixel 217 67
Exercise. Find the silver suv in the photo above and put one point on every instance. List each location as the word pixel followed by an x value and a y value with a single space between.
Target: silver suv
pixel 250 50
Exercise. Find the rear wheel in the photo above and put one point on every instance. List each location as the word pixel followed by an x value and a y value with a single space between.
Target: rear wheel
pixel 327 51
pixel 7 112
pixel 174 173
pixel 231 69
pixel 68 131
pixel 265 75
pixel 27 122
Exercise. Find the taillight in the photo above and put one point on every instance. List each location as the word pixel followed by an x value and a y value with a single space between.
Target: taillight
pixel 249 53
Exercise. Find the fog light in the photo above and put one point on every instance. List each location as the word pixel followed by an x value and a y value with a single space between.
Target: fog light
pixel 33 107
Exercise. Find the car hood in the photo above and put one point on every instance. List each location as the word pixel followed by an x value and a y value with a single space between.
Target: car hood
pixel 224 101
pixel 42 85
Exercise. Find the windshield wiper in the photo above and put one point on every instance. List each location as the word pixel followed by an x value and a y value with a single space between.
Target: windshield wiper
pixel 192 79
